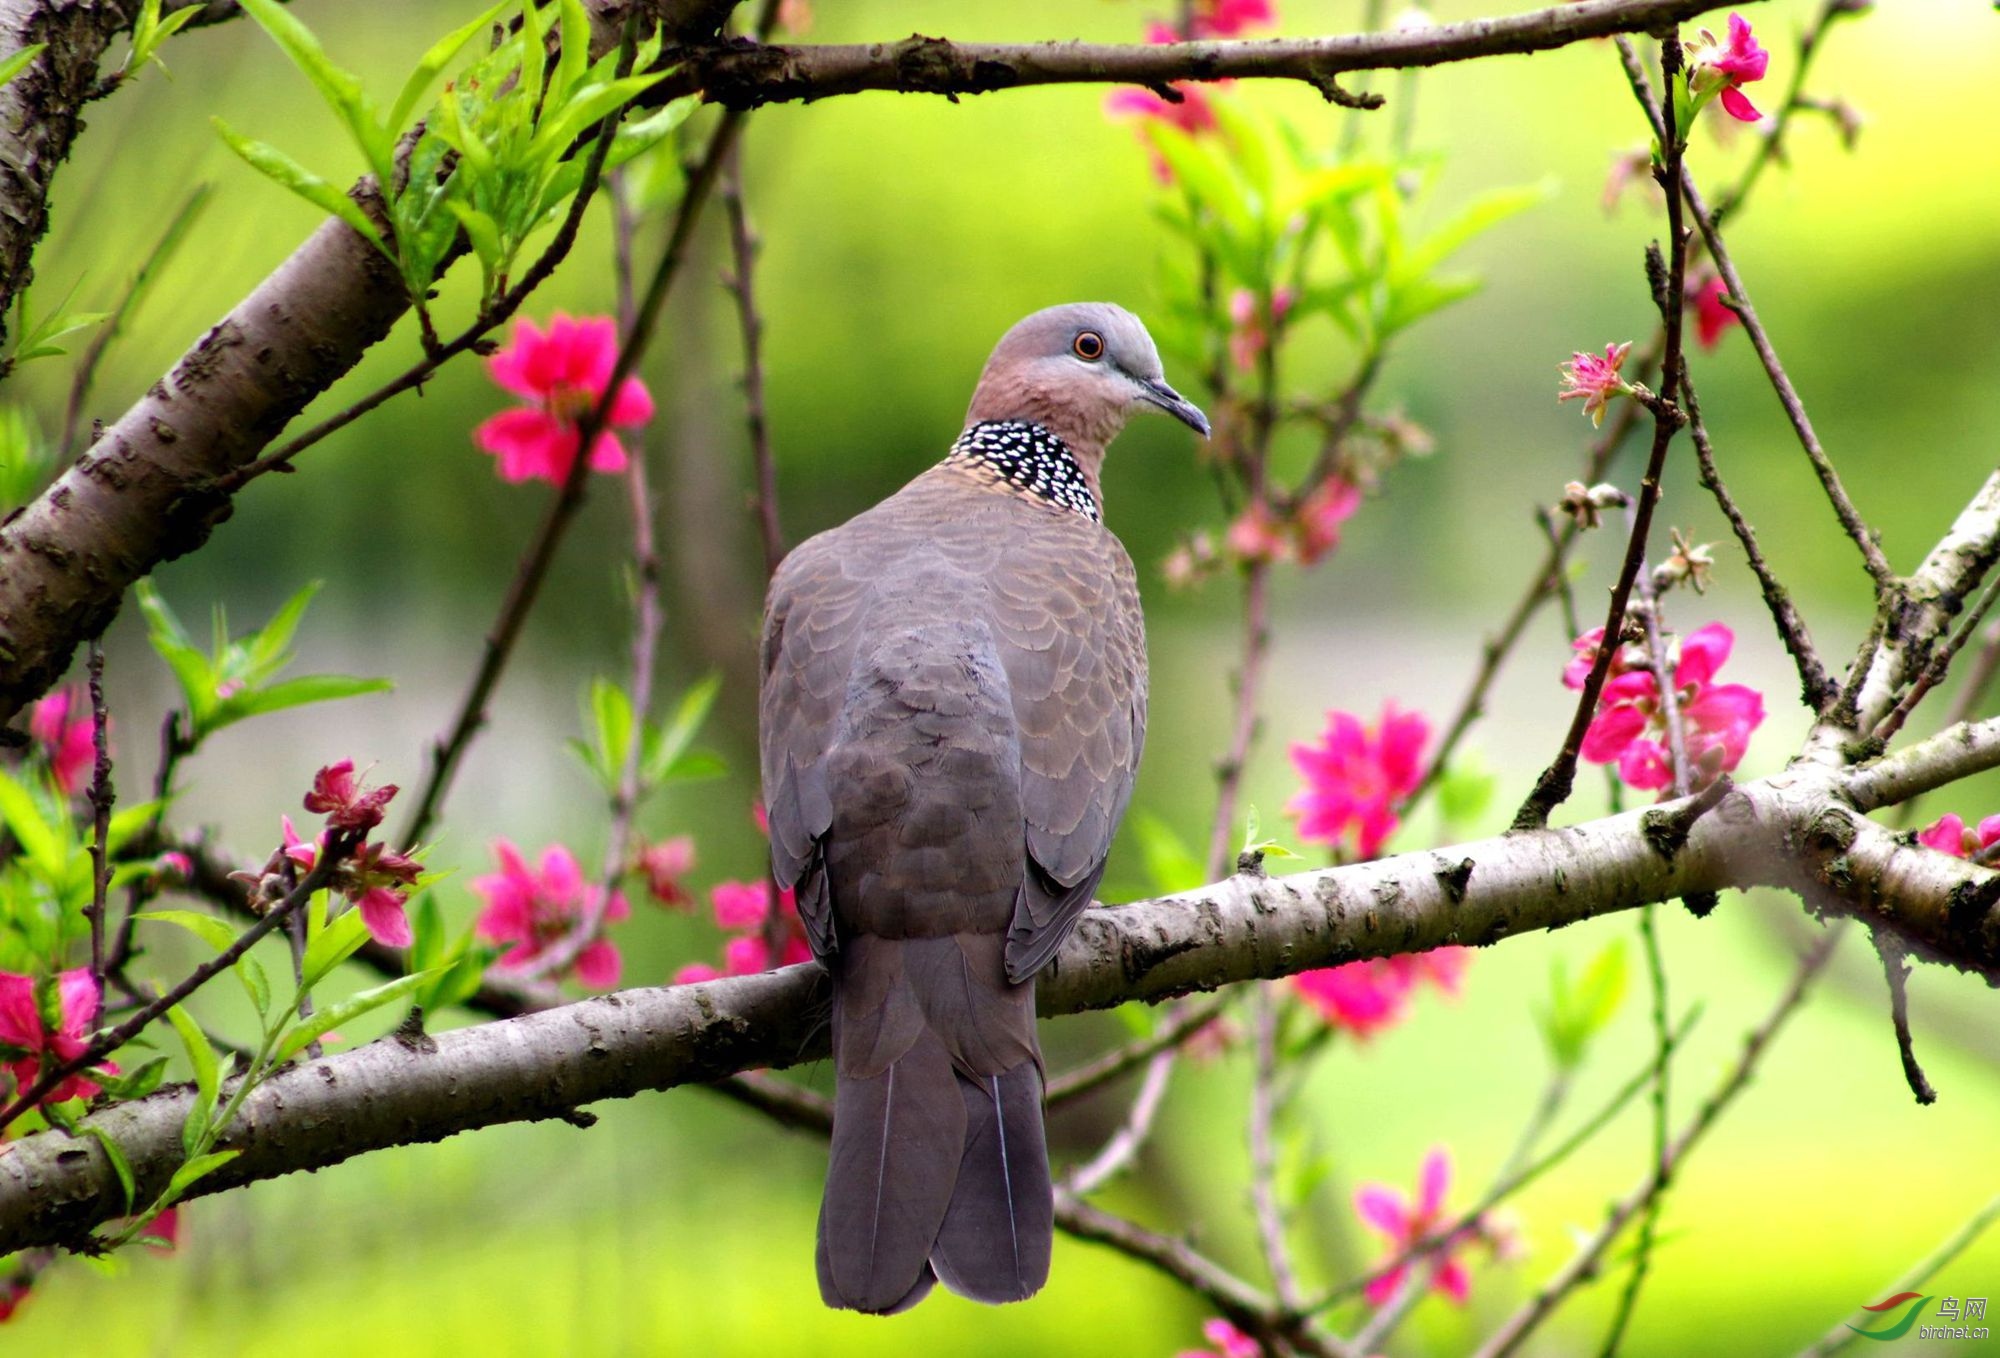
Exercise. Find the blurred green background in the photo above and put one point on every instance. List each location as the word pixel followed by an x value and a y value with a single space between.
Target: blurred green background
pixel 903 234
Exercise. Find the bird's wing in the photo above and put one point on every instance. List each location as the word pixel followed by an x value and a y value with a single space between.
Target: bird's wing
pixel 1065 605
pixel 812 620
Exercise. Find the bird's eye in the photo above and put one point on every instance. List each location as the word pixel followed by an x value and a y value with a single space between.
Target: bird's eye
pixel 1089 346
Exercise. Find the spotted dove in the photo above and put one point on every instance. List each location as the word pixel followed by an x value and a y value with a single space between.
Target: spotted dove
pixel 952 710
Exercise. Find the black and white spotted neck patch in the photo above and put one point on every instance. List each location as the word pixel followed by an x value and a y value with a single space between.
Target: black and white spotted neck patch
pixel 1031 459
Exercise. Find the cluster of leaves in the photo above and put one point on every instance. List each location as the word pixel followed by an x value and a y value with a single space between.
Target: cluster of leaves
pixel 1263 204
pixel 500 152
pixel 664 751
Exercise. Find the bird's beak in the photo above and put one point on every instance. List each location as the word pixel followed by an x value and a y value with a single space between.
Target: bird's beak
pixel 1175 404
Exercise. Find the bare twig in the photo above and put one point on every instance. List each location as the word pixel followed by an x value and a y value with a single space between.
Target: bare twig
pixel 534 565
pixel 1590 1257
pixel 741 282
pixel 1896 969
pixel 102 795
pixel 1122 1147
pixel 1974 1226
pixel 1934 673
pixel 1263 1151
pixel 1099 1072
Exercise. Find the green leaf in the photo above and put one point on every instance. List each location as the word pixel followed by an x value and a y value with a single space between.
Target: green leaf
pixel 1475 219
pixel 38 837
pixel 1170 863
pixel 151 32
pixel 207 1078
pixel 1576 1014
pixel 278 166
pixel 119 1164
pixel 611 713
pixel 666 748
pixel 136 1083
pixel 339 940
pixel 349 1009
pixel 19 62
pixel 434 61
pixel 255 983
pixel 1465 791
pixel 312 688
pixel 200 1167
pixel 207 928
pixel 1415 300
pixel 573 55
pixel 341 91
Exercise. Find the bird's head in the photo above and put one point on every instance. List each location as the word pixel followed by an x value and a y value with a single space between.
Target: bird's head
pixel 1079 371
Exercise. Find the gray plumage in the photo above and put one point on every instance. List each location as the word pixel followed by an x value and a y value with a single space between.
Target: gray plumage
pixel 952 712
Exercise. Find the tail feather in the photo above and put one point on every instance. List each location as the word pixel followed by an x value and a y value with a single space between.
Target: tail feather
pixel 896 1147
pixel 995 1242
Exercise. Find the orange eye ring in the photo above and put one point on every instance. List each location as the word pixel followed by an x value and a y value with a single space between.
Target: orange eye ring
pixel 1089 346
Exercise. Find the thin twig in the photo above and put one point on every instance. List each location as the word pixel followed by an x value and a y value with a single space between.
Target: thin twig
pixel 1172 1031
pixel 1263 1151
pixel 534 565
pixel 1815 688
pixel 339 844
pixel 1934 673
pixel 1554 785
pixel 1123 1146
pixel 741 285
pixel 1974 1226
pixel 1896 969
pixel 1589 1258
pixel 102 796
pixel 438 352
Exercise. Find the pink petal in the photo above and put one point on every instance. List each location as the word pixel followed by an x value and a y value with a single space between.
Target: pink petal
pixel 1946 836
pixel 1610 732
pixel 506 919
pixel 1644 765
pixel 382 912
pixel 745 956
pixel 562 876
pixel 633 404
pixel 598 965
pixel 530 444
pixel 518 956
pixel 1703 652
pixel 1989 831
pixel 1384 1208
pixel 1432 1182
pixel 514 368
pixel 1452 1280
pixel 606 455
pixel 740 905
pixel 81 996
pixel 20 1019
pixel 1738 106
pixel 1385 1287
pixel 1629 687
pixel 694 973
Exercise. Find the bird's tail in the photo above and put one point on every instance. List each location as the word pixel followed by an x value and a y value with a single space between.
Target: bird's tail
pixel 937 1172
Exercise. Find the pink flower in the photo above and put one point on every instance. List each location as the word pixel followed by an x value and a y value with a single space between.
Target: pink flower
pixel 1257 535
pixel 742 908
pixel 694 973
pixel 1356 777
pixel 1368 996
pixel 1595 380
pixel 1229 1342
pixel 1950 835
pixel 1193 114
pixel 1711 316
pixel 563 373
pixel 31 1042
pixel 61 723
pixel 1229 19
pixel 167 1228
pixel 1630 727
pixel 173 867
pixel 1331 504
pixel 15 1288
pixel 1250 329
pixel 1405 1223
pixel 339 796
pixel 740 905
pixel 1726 67
pixel 664 865
pixel 536 909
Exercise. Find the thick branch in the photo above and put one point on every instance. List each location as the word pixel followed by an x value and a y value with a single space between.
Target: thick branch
pixel 1795 830
pixel 745 75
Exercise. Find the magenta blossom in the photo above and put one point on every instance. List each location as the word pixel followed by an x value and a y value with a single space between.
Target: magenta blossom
pixel 347 805
pixel 1712 316
pixel 1630 727
pixel 1365 997
pixel 31 1044
pixel 563 373
pixel 1250 327
pixel 665 864
pixel 741 908
pixel 535 910
pixel 61 725
pixel 1951 835
pixel 1594 380
pixel 1356 778
pixel 1405 1223
pixel 1229 1342
pixel 1716 67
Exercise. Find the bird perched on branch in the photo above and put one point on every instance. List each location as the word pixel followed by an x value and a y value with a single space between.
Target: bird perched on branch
pixel 952 710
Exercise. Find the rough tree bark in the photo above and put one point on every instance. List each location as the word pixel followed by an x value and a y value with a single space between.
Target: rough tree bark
pixel 1802 830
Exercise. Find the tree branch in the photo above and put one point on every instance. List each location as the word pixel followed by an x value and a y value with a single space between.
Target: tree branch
pixel 744 75
pixel 1798 830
